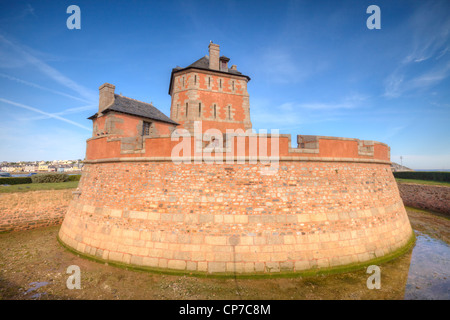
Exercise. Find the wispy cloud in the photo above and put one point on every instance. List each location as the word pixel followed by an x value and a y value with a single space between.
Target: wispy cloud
pixel 21 13
pixel 393 85
pixel 291 114
pixel 431 30
pixel 426 62
pixel 350 102
pixel 280 65
pixel 64 112
pixel 286 65
pixel 397 84
pixel 49 71
pixel 29 10
pixel 50 115
pixel 31 84
pixel 443 52
pixel 432 77
pixel 392 132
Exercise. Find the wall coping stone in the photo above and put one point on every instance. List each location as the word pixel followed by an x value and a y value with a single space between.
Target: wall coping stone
pixel 247 159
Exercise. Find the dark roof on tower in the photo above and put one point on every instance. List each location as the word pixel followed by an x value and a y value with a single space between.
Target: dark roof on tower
pixel 136 108
pixel 203 64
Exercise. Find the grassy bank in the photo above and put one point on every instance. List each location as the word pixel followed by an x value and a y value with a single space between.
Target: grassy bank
pixel 428 182
pixel 38 186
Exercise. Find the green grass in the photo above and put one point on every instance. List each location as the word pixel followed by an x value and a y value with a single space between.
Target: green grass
pixel 38 186
pixel 435 183
pixel 429 212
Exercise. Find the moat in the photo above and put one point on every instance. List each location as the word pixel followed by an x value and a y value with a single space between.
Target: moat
pixel 33 266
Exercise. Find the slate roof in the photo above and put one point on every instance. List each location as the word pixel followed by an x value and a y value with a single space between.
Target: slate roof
pixel 203 63
pixel 136 108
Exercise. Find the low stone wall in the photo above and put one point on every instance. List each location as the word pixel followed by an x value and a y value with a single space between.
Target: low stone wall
pixel 34 209
pixel 434 198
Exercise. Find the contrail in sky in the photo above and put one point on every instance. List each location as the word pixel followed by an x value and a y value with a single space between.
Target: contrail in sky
pixel 44 113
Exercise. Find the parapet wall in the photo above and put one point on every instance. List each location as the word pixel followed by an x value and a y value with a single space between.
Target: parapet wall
pixel 242 145
pixel 231 218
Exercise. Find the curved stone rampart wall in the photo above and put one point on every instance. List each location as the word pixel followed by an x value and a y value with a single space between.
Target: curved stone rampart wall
pixel 232 218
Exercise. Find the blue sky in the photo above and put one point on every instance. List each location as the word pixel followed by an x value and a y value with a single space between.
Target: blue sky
pixel 315 67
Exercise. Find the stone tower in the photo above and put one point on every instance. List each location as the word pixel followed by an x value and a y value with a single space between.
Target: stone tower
pixel 211 92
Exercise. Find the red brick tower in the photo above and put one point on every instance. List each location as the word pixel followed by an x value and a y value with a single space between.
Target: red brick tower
pixel 209 91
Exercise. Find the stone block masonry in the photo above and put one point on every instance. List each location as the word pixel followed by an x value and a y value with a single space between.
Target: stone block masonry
pixel 230 218
pixel 428 197
pixel 34 209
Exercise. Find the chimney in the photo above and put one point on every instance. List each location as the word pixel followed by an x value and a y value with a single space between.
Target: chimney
pixel 214 53
pixel 106 97
pixel 233 67
pixel 224 63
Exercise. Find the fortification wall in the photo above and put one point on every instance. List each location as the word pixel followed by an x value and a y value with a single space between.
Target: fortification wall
pixel 318 148
pixel 232 218
pixel 34 209
pixel 428 197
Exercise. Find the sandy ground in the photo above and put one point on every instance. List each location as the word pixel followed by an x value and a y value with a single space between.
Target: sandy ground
pixel 33 266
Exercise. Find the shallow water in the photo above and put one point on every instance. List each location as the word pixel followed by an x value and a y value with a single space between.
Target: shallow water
pixel 429 271
pixel 421 274
pixel 36 285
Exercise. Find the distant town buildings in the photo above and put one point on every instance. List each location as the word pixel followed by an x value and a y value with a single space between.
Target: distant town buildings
pixel 61 166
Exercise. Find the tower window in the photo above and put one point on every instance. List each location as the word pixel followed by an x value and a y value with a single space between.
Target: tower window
pixel 209 82
pixel 195 79
pixel 146 128
pixel 232 85
pixel 220 83
pixel 215 111
pixel 229 112
pixel 183 81
pixel 200 109
pixel 187 109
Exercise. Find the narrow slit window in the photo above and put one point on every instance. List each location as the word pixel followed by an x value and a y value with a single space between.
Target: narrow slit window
pixel 232 84
pixel 183 81
pixel 229 112
pixel 146 128
pixel 200 109
pixel 195 79
pixel 187 109
pixel 215 111
pixel 220 83
pixel 209 82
